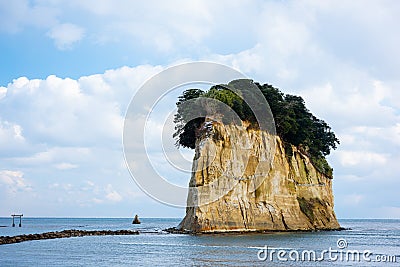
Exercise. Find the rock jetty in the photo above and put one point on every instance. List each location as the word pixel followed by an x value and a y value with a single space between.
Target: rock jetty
pixel 62 234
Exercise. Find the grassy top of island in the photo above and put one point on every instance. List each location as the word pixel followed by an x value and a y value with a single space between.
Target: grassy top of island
pixel 294 123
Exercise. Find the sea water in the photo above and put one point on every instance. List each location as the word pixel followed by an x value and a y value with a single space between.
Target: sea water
pixel 379 239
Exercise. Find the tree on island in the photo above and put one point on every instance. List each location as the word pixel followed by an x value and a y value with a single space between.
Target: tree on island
pixel 294 123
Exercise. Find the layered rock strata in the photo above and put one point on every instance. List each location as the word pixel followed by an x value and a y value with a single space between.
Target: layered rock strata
pixel 244 180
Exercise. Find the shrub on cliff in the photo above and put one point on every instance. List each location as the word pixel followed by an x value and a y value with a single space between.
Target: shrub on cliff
pixel 294 123
pixel 185 125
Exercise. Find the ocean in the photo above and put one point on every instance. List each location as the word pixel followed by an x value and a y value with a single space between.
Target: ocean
pixel 366 243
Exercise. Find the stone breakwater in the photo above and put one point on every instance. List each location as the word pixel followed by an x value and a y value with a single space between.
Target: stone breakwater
pixel 62 234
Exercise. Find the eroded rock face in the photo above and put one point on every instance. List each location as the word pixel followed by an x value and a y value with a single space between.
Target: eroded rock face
pixel 243 181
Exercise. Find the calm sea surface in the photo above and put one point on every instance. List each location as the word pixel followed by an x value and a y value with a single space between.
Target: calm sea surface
pixel 374 240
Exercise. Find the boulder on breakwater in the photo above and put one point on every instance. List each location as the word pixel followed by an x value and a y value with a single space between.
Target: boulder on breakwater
pixel 62 234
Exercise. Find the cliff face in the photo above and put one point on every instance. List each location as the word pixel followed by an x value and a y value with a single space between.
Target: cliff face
pixel 243 181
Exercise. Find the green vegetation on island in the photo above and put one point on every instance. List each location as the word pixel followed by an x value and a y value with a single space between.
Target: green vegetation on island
pixel 294 123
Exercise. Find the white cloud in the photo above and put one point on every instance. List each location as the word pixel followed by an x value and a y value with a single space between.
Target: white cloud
pixel 353 199
pixel 69 124
pixel 350 178
pixel 86 111
pixel 388 134
pixel 99 194
pixel 14 181
pixel 54 185
pixel 90 183
pixel 67 187
pixel 88 193
pixel 342 57
pixel 111 194
pixel 97 200
pixel 66 35
pixel 287 30
pixel 362 158
pixel 17 14
pixel 11 137
pixel 183 23
pixel 54 155
pixel 3 92
pixel 247 61
pixel 351 106
pixel 10 131
pixel 66 166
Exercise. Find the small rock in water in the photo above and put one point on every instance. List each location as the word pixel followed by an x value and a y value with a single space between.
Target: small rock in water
pixel 136 220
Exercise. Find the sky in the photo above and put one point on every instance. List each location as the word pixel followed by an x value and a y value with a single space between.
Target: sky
pixel 70 68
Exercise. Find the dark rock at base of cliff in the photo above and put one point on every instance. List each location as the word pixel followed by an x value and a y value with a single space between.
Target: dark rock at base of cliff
pixel 174 230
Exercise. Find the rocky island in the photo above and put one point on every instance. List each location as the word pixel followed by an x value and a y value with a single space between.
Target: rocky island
pixel 247 179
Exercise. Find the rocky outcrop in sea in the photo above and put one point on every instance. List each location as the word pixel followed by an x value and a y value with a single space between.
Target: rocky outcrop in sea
pixel 245 181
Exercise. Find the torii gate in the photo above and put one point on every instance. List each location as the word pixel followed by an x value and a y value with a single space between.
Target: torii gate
pixel 20 219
